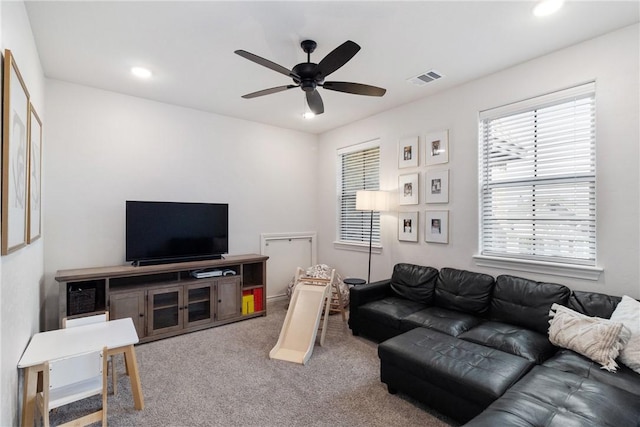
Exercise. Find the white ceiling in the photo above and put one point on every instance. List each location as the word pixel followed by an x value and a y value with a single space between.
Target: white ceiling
pixel 189 46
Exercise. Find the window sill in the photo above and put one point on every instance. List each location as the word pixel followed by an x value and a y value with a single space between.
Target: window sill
pixel 358 247
pixel 555 269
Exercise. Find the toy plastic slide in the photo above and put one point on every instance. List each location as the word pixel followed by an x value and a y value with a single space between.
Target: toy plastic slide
pixel 298 334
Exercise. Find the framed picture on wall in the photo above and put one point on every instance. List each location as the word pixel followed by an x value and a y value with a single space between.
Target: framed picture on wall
pixel 408 189
pixel 436 228
pixel 35 174
pixel 15 157
pixel 408 226
pixel 437 148
pixel 408 152
pixel 437 186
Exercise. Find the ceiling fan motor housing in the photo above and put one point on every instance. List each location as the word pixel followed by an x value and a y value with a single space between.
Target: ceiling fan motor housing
pixel 307 76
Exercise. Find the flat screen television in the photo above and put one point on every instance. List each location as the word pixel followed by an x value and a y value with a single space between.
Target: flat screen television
pixel 164 232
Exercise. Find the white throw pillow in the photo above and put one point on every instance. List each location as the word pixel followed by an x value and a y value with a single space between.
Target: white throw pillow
pixel 628 313
pixel 601 340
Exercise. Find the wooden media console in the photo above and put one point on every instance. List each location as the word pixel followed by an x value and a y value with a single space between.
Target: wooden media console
pixel 166 300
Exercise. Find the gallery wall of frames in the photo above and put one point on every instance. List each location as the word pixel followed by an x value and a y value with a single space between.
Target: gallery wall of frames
pixel 21 161
pixel 426 163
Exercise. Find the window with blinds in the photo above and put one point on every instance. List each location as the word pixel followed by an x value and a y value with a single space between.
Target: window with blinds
pixel 538 179
pixel 358 169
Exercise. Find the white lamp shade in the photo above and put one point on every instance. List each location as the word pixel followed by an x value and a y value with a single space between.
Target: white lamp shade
pixel 367 200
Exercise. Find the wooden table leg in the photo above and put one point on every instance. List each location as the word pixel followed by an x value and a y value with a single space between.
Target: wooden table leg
pixel 134 377
pixel 29 394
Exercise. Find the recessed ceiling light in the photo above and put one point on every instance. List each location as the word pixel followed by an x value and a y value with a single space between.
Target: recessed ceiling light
pixel 308 115
pixel 547 7
pixel 143 73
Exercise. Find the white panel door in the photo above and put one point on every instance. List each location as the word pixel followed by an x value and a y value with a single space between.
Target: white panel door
pixel 285 255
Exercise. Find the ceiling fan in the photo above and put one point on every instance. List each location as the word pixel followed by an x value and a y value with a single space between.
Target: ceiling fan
pixel 309 76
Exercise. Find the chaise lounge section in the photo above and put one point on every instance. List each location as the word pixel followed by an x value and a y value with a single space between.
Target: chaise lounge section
pixel 476 349
pixel 456 376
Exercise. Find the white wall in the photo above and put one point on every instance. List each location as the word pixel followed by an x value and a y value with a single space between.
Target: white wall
pixel 21 273
pixel 104 148
pixel 612 60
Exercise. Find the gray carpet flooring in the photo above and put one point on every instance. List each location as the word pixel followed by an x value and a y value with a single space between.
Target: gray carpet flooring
pixel 223 377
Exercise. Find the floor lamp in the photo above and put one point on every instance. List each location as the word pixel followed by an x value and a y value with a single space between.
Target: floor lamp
pixel 368 200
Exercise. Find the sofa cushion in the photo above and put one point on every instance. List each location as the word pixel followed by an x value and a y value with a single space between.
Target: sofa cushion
pixel 389 311
pixel 546 397
pixel 522 342
pixel 570 361
pixel 599 339
pixel 593 304
pixel 463 290
pixel 525 302
pixel 361 295
pixel 440 319
pixel 414 282
pixel 628 313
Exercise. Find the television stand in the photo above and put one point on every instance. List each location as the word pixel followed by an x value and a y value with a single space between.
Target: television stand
pixel 164 299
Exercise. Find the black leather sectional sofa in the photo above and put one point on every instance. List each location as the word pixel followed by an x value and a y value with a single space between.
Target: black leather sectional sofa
pixel 476 349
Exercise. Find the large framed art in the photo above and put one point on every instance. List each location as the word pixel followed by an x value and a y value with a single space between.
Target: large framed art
pixel 14 157
pixel 35 176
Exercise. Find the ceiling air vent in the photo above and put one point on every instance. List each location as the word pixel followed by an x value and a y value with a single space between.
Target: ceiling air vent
pixel 426 77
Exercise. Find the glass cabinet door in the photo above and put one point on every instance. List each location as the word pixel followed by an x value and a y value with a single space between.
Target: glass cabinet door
pixel 199 303
pixel 165 310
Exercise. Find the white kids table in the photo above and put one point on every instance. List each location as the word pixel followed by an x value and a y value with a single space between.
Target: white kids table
pixel 118 336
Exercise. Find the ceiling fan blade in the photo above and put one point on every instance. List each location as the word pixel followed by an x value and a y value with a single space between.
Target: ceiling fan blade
pixel 268 91
pixel 355 88
pixel 265 63
pixel 315 102
pixel 337 58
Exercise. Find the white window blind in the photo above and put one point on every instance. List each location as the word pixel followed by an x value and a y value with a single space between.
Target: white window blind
pixel 538 179
pixel 359 169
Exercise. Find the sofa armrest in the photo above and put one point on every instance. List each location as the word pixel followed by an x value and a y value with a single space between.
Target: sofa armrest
pixel 363 294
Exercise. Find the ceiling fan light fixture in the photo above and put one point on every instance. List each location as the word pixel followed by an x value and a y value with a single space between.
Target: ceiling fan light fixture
pixel 307 113
pixel 141 72
pixel 547 7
